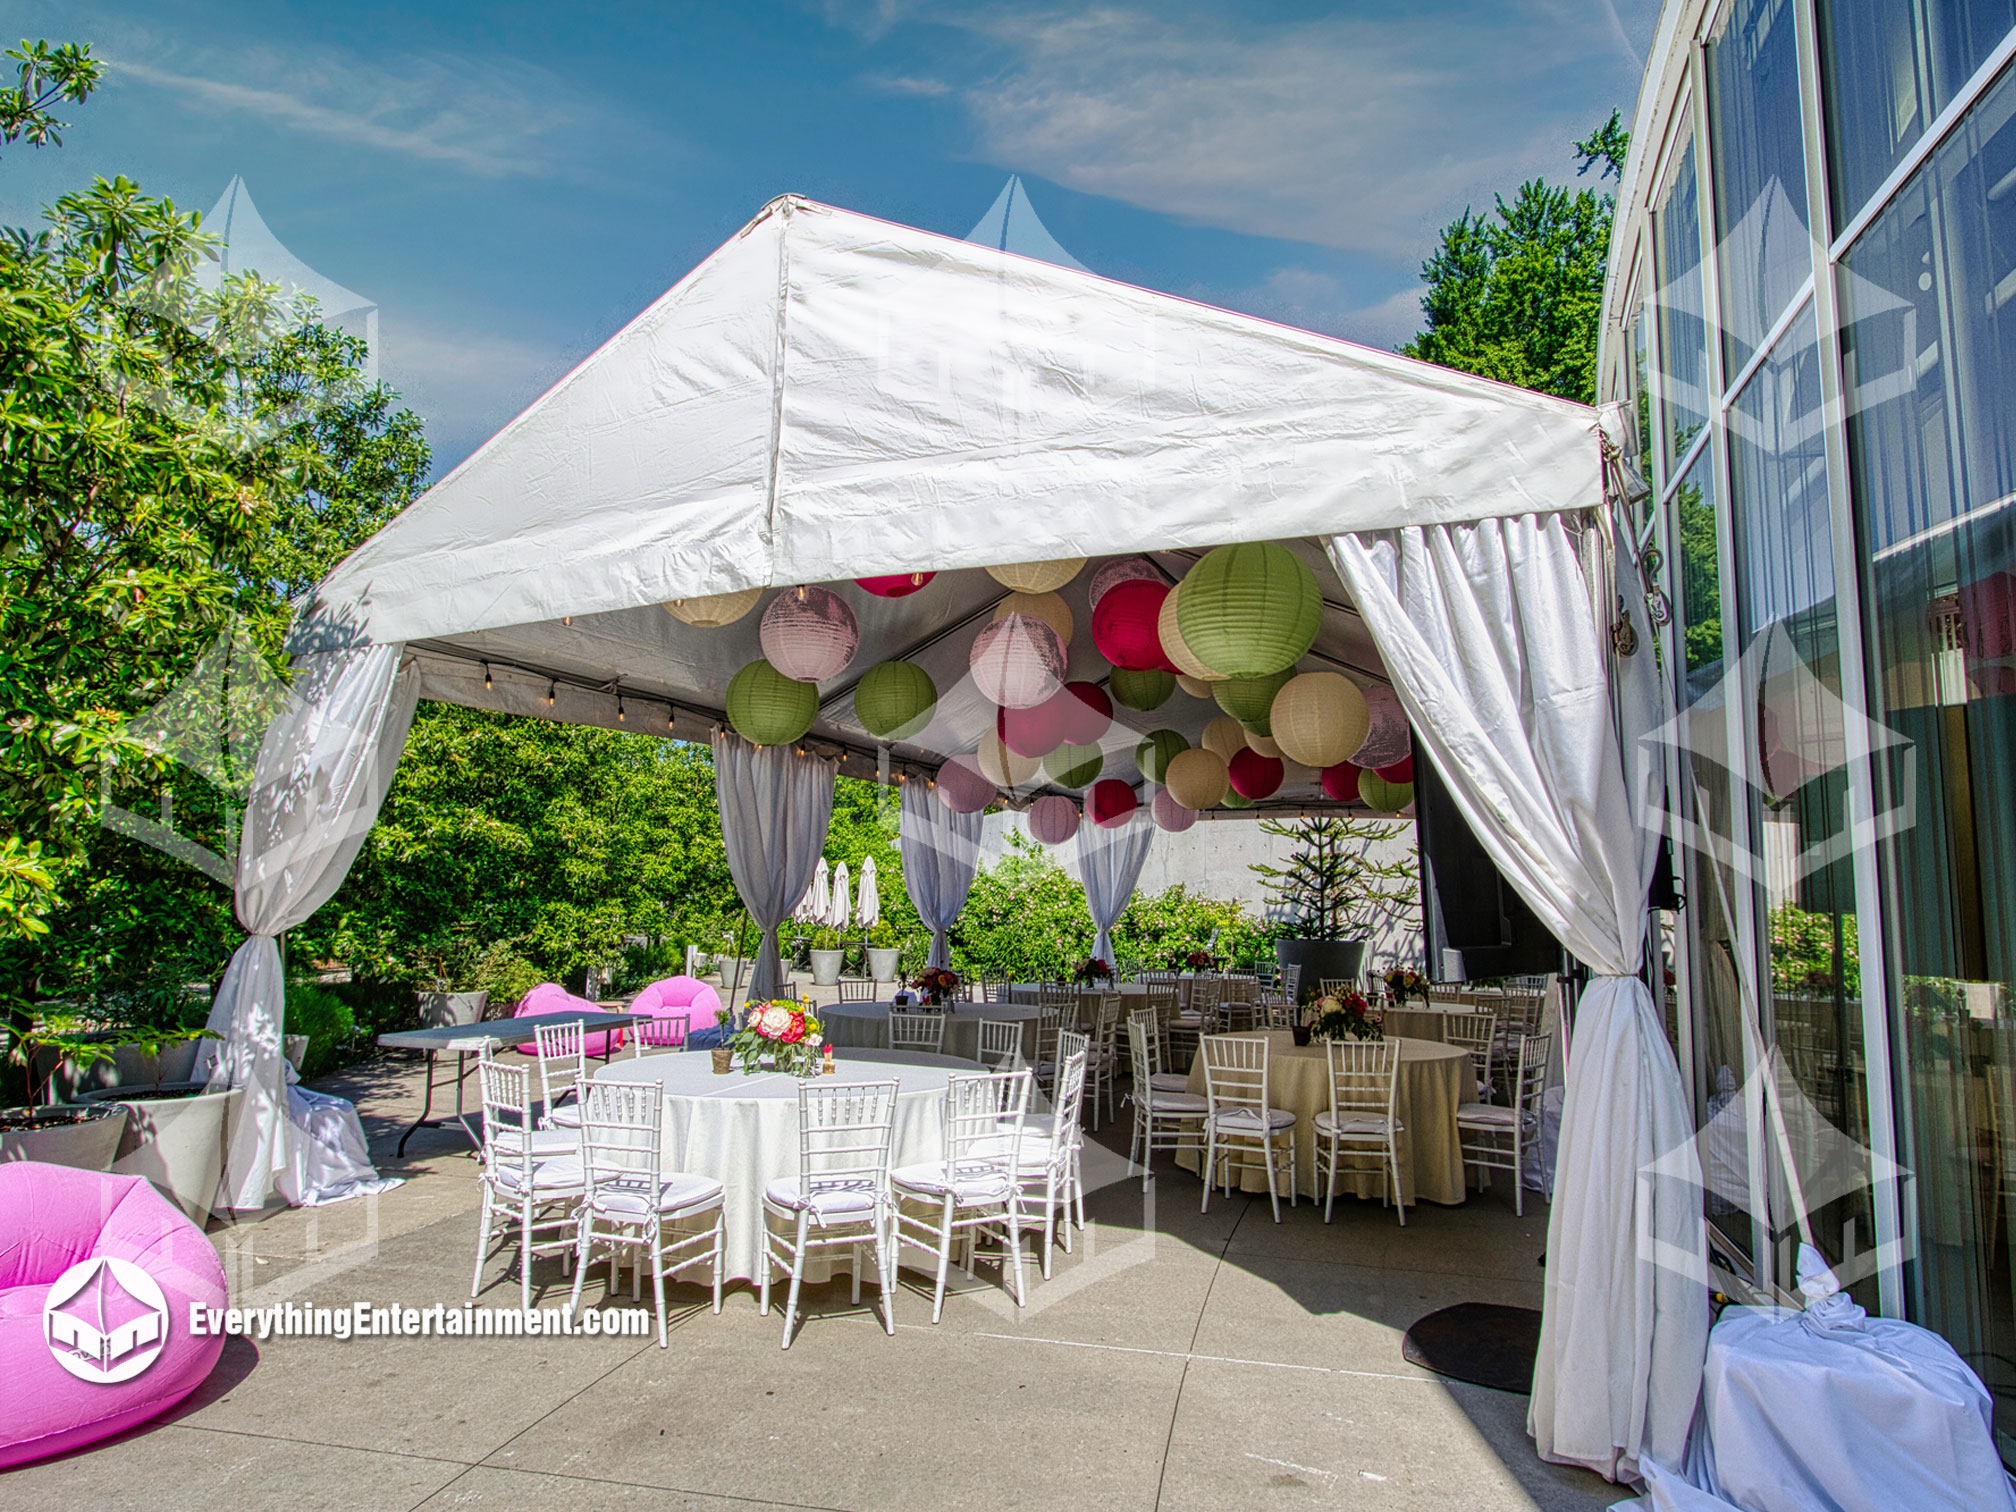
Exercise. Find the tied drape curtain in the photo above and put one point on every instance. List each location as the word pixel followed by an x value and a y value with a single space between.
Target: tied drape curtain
pixel 941 852
pixel 1491 634
pixel 1109 864
pixel 775 808
pixel 323 770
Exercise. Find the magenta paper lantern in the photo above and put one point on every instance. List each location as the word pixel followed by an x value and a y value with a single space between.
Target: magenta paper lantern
pixel 809 634
pixel 1170 815
pixel 1054 819
pixel 1253 775
pixel 1123 626
pixel 896 585
pixel 1087 712
pixel 1035 731
pixel 1121 570
pixel 1398 771
pixel 1389 738
pixel 1017 661
pixel 962 788
pixel 1341 782
pixel 1111 803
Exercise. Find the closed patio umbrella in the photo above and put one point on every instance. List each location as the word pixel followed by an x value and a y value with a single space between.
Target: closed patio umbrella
pixel 818 899
pixel 836 914
pixel 868 901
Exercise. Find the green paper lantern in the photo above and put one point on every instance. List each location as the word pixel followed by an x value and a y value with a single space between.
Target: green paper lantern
pixel 1074 766
pixel 1237 800
pixel 1384 797
pixel 1157 749
pixel 767 708
pixel 1142 690
pixel 1250 700
pixel 895 700
pixel 1250 610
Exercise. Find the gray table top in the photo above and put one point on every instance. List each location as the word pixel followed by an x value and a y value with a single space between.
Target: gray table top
pixel 468 1038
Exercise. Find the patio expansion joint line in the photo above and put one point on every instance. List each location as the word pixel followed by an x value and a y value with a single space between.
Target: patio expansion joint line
pixel 603 1480
pixel 1211 1359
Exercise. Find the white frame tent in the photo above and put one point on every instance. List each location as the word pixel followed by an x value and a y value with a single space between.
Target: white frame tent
pixel 828 397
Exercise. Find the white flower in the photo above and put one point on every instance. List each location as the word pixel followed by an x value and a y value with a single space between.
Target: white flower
pixel 814 1041
pixel 775 1020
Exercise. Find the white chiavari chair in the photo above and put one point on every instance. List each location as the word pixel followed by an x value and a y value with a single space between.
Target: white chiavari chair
pixel 1049 1172
pixel 1103 1064
pixel 1242 1124
pixel 917 1031
pixel 1163 1119
pixel 530 1178
pixel 1494 1138
pixel 668 1033
pixel 840 1198
pixel 856 990
pixel 1476 1032
pixel 563 1070
pixel 1362 1122
pixel 973 1190
pixel 1001 1044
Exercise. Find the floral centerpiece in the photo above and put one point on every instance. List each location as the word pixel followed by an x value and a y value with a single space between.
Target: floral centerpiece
pixel 782 1032
pixel 937 983
pixel 1403 982
pixel 1092 969
pixel 1345 1015
pixel 1199 960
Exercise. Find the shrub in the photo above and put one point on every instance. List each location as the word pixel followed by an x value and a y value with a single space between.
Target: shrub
pixel 326 1019
pixel 505 974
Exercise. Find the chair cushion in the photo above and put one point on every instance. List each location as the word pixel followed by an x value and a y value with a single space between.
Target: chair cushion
pixel 566 1116
pixel 935 1179
pixel 1354 1124
pixel 1169 1081
pixel 1158 1101
pixel 1237 1119
pixel 1487 1116
pixel 681 1192
pixel 555 1175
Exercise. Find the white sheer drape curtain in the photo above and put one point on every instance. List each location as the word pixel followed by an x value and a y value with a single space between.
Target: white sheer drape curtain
pixel 775 808
pixel 1109 864
pixel 941 852
pixel 323 770
pixel 1491 634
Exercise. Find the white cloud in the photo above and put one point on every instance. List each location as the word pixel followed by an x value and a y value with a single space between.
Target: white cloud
pixel 463 380
pixel 1317 301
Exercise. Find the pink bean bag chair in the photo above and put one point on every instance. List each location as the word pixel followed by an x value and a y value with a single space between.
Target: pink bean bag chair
pixel 51 1218
pixel 551 997
pixel 679 997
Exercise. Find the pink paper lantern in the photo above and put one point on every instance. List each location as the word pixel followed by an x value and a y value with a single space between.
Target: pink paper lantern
pixel 962 788
pixel 809 634
pixel 1388 740
pixel 1087 713
pixel 896 585
pixel 1053 819
pixel 1171 815
pixel 1341 782
pixel 1118 571
pixel 1253 775
pixel 1017 661
pixel 1398 771
pixel 1035 731
pixel 1123 626
pixel 1111 803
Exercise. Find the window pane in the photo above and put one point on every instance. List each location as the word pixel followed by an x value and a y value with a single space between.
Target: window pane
pixel 1700 580
pixel 1764 251
pixel 1641 388
pixel 1887 68
pixel 1684 400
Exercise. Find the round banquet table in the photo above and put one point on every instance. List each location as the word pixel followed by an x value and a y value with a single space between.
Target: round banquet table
pixel 1417 1023
pixel 1244 987
pixel 1432 1078
pixel 743 1131
pixel 867 1024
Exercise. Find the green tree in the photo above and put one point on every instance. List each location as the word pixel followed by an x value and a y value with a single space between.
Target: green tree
pixel 1332 886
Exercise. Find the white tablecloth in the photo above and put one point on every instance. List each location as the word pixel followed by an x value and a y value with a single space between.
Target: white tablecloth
pixel 743 1130
pixel 867 1024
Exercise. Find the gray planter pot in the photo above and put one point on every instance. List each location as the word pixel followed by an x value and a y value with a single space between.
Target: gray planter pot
pixel 1322 958
pixel 826 967
pixel 295 1048
pixel 129 1067
pixel 62 1138
pixel 439 1009
pixel 882 962
pixel 178 1143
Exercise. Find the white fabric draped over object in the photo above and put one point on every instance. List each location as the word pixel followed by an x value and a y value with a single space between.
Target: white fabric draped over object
pixel 941 852
pixel 868 900
pixel 1495 651
pixel 1109 865
pixel 775 808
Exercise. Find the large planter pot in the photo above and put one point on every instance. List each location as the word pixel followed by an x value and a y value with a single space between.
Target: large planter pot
pixel 82 1135
pixel 176 1138
pixel 439 1009
pixel 826 967
pixel 882 962
pixel 130 1066
pixel 1322 958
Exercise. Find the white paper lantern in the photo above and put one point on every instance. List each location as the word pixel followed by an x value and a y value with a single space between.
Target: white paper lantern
pixel 1263 745
pixel 1171 815
pixel 809 633
pixel 1047 607
pixel 1117 571
pixel 1387 739
pixel 713 610
pixel 1196 687
pixel 1319 718
pixel 962 788
pixel 1017 661
pixel 1037 577
pixel 1053 819
pixel 1225 736
pixel 1003 767
pixel 1197 778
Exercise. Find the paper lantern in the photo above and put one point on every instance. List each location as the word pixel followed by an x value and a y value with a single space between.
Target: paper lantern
pixel 1250 610
pixel 962 788
pixel 1123 626
pixel 896 585
pixel 1398 771
pixel 1251 699
pixel 1086 713
pixel 1170 815
pixel 715 609
pixel 1169 631
pixel 1017 661
pixel 1074 766
pixel 1035 731
pixel 767 708
pixel 895 700
pixel 1003 767
pixel 1197 778
pixel 1111 803
pixel 1156 750
pixel 1387 739
pixel 809 633
pixel 1263 744
pixel 1196 687
pixel 1053 819
pixel 1341 782
pixel 1319 718
pixel 1142 690
pixel 1037 577
pixel 1384 797
pixel 1047 607
pixel 1253 775
pixel 1226 736
pixel 1238 801
pixel 1120 570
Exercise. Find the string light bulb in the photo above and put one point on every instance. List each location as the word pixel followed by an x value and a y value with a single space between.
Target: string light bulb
pixel 552 688
pixel 486 677
pixel 566 619
pixel 619 706
pixel 670 715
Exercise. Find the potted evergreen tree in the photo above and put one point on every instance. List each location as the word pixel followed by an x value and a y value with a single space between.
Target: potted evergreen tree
pixel 1333 893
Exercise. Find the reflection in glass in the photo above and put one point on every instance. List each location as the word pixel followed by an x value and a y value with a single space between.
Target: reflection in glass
pixel 1700 580
pixel 1684 399
pixel 1641 389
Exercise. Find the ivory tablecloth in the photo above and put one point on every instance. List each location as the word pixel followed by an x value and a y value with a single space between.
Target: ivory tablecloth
pixel 1432 1080
pixel 1418 1023
pixel 867 1024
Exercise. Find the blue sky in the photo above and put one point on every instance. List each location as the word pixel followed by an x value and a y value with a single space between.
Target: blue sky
pixel 511 182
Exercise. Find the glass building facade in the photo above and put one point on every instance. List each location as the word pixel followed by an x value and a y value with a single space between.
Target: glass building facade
pixel 1811 318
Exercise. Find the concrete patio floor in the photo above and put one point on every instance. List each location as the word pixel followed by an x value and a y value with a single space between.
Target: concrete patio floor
pixel 1176 1361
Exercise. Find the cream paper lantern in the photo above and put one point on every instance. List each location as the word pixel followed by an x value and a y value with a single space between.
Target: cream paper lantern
pixel 1047 607
pixel 1225 736
pixel 1180 655
pixel 714 610
pixel 1196 687
pixel 1262 745
pixel 1017 661
pixel 1319 718
pixel 1037 577
pixel 1197 778
pixel 1003 767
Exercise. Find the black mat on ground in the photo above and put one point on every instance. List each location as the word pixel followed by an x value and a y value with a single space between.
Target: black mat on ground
pixel 1478 1342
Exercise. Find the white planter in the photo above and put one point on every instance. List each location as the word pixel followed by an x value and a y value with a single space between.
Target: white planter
pixel 882 961
pixel 61 1138
pixel 826 967
pixel 438 1009
pixel 130 1066
pixel 178 1143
